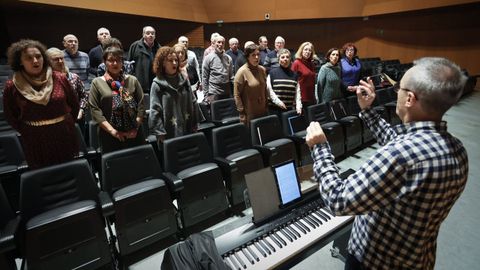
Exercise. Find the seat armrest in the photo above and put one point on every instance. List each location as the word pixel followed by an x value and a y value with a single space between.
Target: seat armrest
pixel 296 140
pixel 174 182
pixel 7 235
pixel 267 152
pixel 151 139
pixel 227 166
pixel 106 204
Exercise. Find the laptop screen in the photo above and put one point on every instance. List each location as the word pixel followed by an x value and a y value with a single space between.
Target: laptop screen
pixel 287 182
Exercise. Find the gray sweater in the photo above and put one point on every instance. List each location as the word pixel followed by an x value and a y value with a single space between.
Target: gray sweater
pixel 217 74
pixel 328 83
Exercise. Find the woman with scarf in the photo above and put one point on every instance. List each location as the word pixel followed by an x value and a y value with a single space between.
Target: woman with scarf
pixel 283 86
pixel 304 67
pixel 40 104
pixel 329 82
pixel 172 102
pixel 116 104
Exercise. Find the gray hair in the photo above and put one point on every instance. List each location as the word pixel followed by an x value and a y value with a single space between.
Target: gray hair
pixel 102 29
pixel 279 39
pixel 145 29
pixel 438 82
pixel 232 40
pixel 284 51
pixel 213 36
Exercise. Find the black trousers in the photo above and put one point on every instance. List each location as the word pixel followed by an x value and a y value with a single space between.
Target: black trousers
pixel 352 263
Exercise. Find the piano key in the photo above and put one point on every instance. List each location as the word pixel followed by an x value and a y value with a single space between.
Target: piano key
pixel 299 227
pixel 327 210
pixel 314 217
pixel 280 238
pixel 260 241
pixel 312 222
pixel 236 265
pixel 239 260
pixel 228 262
pixel 270 246
pixel 321 215
pixel 253 253
pixel 307 223
pixel 248 256
pixel 289 232
pixel 264 254
pixel 294 229
pixel 275 240
pixel 286 235
pixel 305 227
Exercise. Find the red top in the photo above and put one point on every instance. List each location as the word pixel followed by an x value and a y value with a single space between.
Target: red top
pixel 306 79
pixel 48 144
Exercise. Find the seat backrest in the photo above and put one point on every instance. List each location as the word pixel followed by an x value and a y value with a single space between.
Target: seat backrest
pixel 223 108
pixel 319 113
pixel 383 95
pixel 54 186
pixel 338 109
pixel 292 122
pixel 6 212
pixel 186 151
pixel 352 105
pixel 82 145
pixel 230 139
pixel 11 152
pixel 93 135
pixel 265 129
pixel 129 166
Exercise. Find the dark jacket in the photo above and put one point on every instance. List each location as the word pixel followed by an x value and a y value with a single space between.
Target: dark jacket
pixel 143 58
pixel 172 110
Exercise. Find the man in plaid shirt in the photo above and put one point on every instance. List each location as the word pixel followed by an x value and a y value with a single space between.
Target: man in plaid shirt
pixel 401 195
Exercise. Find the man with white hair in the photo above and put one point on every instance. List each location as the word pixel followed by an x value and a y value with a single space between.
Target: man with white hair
pixel 212 44
pixel 76 61
pixel 96 53
pixel 234 52
pixel 193 68
pixel 403 193
pixel 143 52
pixel 217 75
pixel 271 60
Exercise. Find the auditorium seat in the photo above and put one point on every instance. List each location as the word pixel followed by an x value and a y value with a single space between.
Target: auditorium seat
pixel 354 109
pixel 232 148
pixel 294 127
pixel 333 130
pixel 12 164
pixel 144 212
pixel 195 179
pixel 8 229
pixel 62 218
pixel 267 137
pixel 224 112
pixel 352 125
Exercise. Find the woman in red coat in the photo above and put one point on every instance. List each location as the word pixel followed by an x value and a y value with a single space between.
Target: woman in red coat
pixel 304 67
pixel 40 104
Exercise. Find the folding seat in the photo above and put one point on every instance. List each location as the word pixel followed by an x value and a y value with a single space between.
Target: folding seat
pixel 354 109
pixel 333 130
pixel 224 112
pixel 385 97
pixel 85 151
pixel 62 218
pixel 8 229
pixel 144 212
pixel 4 126
pixel 12 164
pixel 232 148
pixel 294 127
pixel 267 137
pixel 195 179
pixel 352 125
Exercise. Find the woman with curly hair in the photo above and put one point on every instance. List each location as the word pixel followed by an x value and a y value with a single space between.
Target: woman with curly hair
pixel 172 103
pixel 40 104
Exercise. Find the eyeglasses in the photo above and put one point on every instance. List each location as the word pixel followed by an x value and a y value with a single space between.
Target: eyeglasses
pixel 396 88
pixel 113 60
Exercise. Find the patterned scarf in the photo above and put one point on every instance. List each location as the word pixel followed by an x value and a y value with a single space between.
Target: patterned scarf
pixel 25 85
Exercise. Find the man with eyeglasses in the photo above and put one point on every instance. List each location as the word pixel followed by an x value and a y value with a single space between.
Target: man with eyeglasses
pixel 402 194
pixel 77 61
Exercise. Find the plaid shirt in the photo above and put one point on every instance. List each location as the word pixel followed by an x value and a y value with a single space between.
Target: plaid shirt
pixel 400 195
